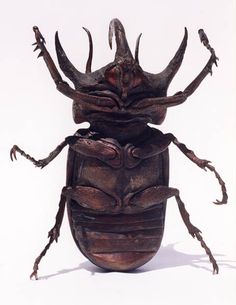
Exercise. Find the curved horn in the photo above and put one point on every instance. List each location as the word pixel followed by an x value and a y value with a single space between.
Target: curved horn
pixel 162 80
pixel 169 72
pixel 137 48
pixel 89 61
pixel 122 47
pixel 66 66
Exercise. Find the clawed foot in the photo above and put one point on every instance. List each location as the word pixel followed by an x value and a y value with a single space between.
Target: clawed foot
pixel 219 202
pixel 13 151
pixel 208 252
pixel 215 268
pixel 53 234
pixel 223 201
pixel 39 163
pixel 34 275
pixel 40 41
pixel 222 184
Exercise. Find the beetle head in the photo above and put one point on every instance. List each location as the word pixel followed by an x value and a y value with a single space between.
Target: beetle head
pixel 119 91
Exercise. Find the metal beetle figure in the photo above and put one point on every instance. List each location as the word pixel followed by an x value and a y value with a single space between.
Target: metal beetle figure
pixel 118 168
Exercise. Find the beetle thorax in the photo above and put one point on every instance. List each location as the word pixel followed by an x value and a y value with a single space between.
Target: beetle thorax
pixel 123 133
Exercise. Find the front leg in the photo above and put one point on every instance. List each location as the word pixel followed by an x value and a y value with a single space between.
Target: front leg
pixel 206 70
pixel 181 96
pixel 40 45
pixel 62 86
pixel 42 162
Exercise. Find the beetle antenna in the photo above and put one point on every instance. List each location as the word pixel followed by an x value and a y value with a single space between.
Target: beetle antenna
pixel 89 61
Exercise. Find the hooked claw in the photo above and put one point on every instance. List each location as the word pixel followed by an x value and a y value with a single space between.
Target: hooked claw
pixel 223 201
pixel 35 275
pixel 222 184
pixel 215 268
pixel 218 202
pixel 13 151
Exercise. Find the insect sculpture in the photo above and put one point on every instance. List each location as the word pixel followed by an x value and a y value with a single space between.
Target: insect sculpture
pixel 118 168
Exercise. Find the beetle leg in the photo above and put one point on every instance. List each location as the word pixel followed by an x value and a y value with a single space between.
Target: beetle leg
pixel 40 45
pixel 62 86
pixel 202 163
pixel 157 194
pixel 53 235
pixel 195 232
pixel 43 162
pixel 208 67
pixel 181 96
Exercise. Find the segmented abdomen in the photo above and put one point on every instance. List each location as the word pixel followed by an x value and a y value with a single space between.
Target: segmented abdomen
pixel 117 242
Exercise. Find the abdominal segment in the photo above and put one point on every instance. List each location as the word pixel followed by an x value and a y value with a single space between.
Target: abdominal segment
pixel 118 242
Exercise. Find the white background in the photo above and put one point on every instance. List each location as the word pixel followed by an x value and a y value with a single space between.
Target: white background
pixel 37 118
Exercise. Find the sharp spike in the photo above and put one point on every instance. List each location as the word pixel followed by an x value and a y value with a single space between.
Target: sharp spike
pixel 66 66
pixel 137 48
pixel 162 80
pixel 89 61
pixel 122 47
pixel 40 54
pixel 110 34
pixel 36 48
pixel 175 63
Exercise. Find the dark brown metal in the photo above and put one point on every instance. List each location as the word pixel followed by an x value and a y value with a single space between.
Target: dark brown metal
pixel 118 169
pixel 137 48
pixel 90 57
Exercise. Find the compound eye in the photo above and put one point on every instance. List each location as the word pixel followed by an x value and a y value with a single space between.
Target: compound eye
pixel 112 76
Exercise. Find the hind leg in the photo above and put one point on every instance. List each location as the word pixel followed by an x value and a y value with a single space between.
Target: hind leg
pixel 157 194
pixel 53 234
pixel 195 232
